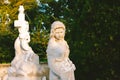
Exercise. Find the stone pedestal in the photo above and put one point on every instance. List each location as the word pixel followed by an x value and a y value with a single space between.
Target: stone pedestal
pixel 43 75
pixel 25 78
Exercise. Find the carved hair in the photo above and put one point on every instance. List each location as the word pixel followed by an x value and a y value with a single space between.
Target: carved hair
pixel 55 25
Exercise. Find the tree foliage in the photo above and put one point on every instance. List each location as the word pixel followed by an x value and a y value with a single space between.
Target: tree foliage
pixel 8 33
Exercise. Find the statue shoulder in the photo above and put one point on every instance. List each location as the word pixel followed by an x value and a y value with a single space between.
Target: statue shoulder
pixel 66 44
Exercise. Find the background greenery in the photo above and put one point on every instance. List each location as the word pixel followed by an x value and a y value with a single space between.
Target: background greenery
pixel 92 33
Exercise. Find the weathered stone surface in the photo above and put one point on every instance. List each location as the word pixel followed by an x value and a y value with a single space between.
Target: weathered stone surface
pixel 3 71
pixel 25 65
pixel 44 75
pixel 61 67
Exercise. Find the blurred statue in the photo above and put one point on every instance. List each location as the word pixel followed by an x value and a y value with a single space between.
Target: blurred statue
pixel 24 37
pixel 61 67
pixel 25 61
pixel 6 2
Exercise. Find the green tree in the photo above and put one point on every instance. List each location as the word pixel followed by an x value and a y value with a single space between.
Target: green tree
pixel 8 33
pixel 92 34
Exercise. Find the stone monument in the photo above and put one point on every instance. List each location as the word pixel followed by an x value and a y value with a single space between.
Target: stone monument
pixel 61 67
pixel 25 65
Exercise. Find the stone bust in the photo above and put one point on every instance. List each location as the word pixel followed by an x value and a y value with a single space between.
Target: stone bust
pixel 61 67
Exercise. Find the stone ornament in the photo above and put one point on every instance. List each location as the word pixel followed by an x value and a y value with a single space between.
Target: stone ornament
pixel 61 67
pixel 25 62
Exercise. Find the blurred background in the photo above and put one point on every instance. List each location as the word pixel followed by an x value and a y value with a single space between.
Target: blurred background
pixel 93 33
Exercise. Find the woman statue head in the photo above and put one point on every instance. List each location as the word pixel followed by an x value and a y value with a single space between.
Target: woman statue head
pixel 57 30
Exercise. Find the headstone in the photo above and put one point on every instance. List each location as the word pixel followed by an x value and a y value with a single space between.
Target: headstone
pixel 61 67
pixel 25 65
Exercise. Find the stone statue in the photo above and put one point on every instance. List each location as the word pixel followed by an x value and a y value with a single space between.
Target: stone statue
pixel 61 67
pixel 24 37
pixel 25 62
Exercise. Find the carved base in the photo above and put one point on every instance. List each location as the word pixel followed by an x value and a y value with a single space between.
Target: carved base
pixel 26 78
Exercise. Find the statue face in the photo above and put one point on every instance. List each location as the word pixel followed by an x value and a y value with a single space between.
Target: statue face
pixel 59 33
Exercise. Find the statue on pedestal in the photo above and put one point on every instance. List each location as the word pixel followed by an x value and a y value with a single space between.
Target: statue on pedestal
pixel 25 62
pixel 61 67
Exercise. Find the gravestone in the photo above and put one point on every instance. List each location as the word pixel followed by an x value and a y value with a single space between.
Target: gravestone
pixel 25 65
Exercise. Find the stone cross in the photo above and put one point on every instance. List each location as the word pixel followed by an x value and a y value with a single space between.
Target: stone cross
pixel 21 23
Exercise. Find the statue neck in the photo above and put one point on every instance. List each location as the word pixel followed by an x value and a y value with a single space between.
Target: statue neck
pixel 59 40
